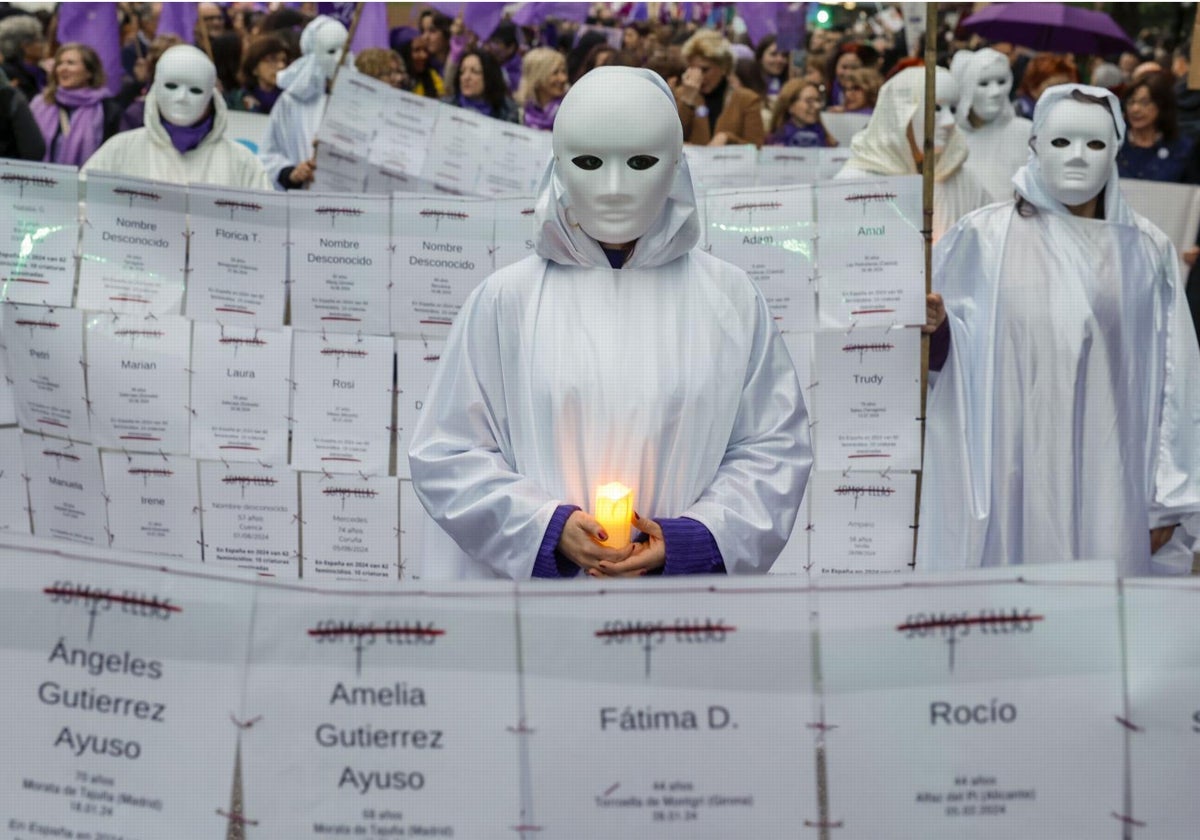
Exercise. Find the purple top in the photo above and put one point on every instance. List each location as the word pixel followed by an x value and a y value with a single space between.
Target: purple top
pixel 799 136
pixel 541 118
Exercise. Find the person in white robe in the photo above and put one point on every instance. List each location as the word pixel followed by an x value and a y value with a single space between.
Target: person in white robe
pixel 183 139
pixel 891 144
pixel 287 151
pixel 997 138
pixel 620 352
pixel 1064 423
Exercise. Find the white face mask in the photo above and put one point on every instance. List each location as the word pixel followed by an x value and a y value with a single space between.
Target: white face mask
pixel 991 93
pixel 327 46
pixel 1076 146
pixel 183 85
pixel 943 115
pixel 617 142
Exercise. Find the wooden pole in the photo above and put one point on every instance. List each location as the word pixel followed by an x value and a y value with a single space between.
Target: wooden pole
pixel 1193 78
pixel 927 170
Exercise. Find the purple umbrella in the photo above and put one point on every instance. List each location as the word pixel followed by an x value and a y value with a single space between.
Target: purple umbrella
pixel 1050 27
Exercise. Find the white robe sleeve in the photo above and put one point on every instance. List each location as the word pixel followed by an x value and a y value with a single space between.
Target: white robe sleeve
pixel 461 454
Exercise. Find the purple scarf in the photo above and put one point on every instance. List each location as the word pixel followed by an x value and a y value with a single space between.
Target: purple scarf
pixel 266 98
pixel 187 137
pixel 86 128
pixel 478 105
pixel 541 118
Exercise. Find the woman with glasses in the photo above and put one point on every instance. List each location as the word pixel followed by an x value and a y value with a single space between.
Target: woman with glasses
pixel 1154 148
pixel 796 117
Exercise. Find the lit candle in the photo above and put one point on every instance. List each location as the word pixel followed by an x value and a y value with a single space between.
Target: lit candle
pixel 614 511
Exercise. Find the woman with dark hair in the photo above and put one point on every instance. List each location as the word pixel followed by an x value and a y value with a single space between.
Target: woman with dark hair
pixel 1154 148
pixel 424 79
pixel 227 56
pixel 773 67
pixel 841 63
pixel 601 55
pixel 480 87
pixel 75 113
pixel 264 58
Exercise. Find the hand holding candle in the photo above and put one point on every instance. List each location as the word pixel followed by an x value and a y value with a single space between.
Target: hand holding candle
pixel 614 512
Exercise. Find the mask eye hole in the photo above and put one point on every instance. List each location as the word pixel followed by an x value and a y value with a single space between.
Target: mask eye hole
pixel 1060 142
pixel 195 91
pixel 640 162
pixel 1097 145
pixel 588 162
pixel 170 85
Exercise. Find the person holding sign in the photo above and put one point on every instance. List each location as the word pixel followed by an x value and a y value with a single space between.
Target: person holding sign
pixel 1065 421
pixel 620 353
pixel 183 139
pixel 287 151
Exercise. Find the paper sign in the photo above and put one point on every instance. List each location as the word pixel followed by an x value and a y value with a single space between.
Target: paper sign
pixel 8 400
pixel 995 701
pixel 137 376
pixel 870 255
pixel 339 171
pixel 782 165
pixel 665 700
pixel 453 157
pixel 118 674
pixel 516 160
pixel 14 513
pixel 240 393
pixel 442 253
pixel 413 523
pixel 371 706
pixel 343 403
pixel 793 560
pixel 830 161
pixel 238 258
pixel 416 362
pixel 340 262
pixel 721 167
pixel 153 503
pixel 66 490
pixel 348 122
pixel 406 125
pixel 769 234
pixel 515 231
pixel 45 363
pixel 39 223
pixel 869 399
pixel 250 517
pixel 862 522
pixel 351 527
pixel 134 246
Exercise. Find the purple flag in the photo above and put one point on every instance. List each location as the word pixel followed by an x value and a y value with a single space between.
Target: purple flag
pixel 532 14
pixel 96 25
pixel 760 19
pixel 483 18
pixel 372 32
pixel 178 19
pixel 792 24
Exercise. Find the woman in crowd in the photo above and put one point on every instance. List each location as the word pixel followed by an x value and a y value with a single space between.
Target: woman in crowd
pixel 796 117
pixel 842 62
pixel 1062 423
pixel 424 80
pixel 22 46
pixel 773 66
pixel 601 55
pixel 1043 71
pixel 266 56
pixel 543 85
pixel 75 112
pixel 1154 148
pixel 860 91
pixel 713 112
pixel 479 85
pixel 385 65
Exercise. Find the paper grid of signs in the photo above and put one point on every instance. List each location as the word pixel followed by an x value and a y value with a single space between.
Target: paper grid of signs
pixel 39 223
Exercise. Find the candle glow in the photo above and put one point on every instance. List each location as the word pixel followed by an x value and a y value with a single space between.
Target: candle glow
pixel 614 511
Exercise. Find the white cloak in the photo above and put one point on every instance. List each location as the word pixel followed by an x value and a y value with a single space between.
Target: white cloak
pixel 998 150
pixel 290 133
pixel 561 374
pixel 147 152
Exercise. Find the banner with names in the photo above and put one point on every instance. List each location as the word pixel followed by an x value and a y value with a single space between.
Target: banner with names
pixel 39 223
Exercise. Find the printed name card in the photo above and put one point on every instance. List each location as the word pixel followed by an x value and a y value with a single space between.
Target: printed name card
pixel 14 513
pixel 995 700
pixel 134 246
pixel 339 171
pixel 416 362
pixel 515 229
pixel 340 262
pixel 664 701
pixel 442 253
pixel 372 707
pixel 250 515
pixel 869 399
pixel 782 165
pixel 238 259
pixel 66 490
pixel 414 521
pixel 351 527
pixel 453 158
pixel 770 234
pixel 406 124
pixel 153 503
pixel 1164 705
pixel 39 220
pixel 343 402
pixel 118 675
pixel 8 400
pixel 137 376
pixel 721 167
pixel 241 393
pixel 45 364
pixel 349 118
pixel 862 521
pixel 516 160
pixel 870 255
pixel 794 559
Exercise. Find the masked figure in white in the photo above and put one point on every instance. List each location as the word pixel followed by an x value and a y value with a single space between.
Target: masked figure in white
pixel 997 138
pixel 891 144
pixel 1065 421
pixel 183 139
pixel 620 353
pixel 287 150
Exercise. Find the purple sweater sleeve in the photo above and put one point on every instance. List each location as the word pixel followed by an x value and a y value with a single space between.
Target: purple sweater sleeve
pixel 549 563
pixel 691 549
pixel 939 346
